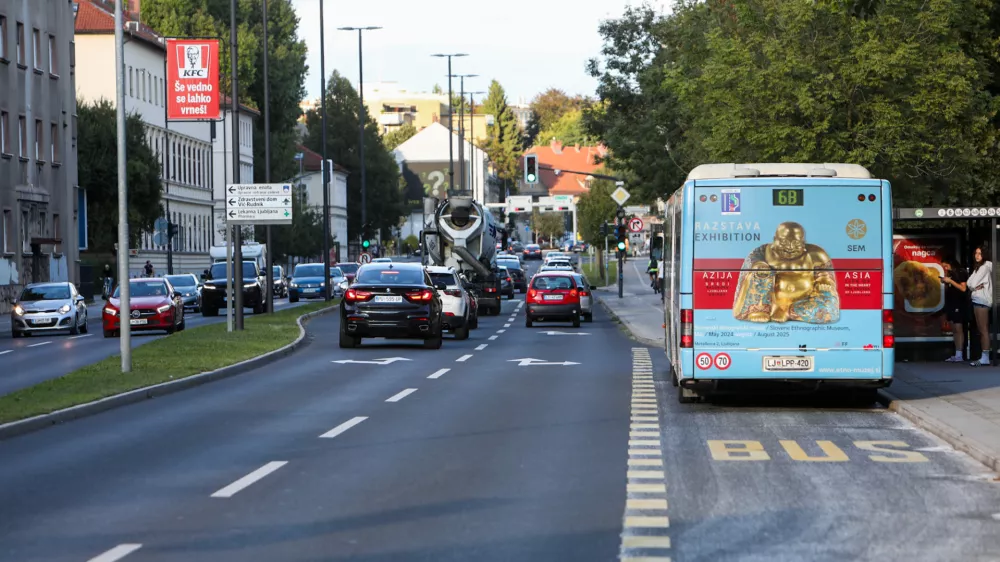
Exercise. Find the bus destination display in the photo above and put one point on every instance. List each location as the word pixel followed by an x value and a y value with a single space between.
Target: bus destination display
pixel 787 197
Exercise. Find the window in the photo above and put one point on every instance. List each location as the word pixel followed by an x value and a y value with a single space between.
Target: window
pixel 53 63
pixel 4 138
pixel 55 234
pixel 54 141
pixel 131 82
pixel 8 231
pixel 22 137
pixel 21 58
pixel 3 37
pixel 38 140
pixel 156 91
pixel 36 43
pixel 72 55
pixel 25 233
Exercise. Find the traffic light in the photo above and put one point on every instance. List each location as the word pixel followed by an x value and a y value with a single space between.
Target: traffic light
pixel 171 230
pixel 531 168
pixel 365 244
pixel 620 234
pixel 604 229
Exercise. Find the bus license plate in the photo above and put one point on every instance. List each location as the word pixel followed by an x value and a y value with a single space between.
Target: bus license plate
pixel 788 363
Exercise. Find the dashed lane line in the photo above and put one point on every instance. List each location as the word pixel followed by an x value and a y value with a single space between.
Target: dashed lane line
pixel 437 374
pixel 401 395
pixel 81 336
pixel 39 344
pixel 5 352
pixel 241 484
pixel 116 553
pixel 463 358
pixel 343 427
pixel 501 331
pixel 506 325
pixel 481 346
pixel 493 338
pixel 645 524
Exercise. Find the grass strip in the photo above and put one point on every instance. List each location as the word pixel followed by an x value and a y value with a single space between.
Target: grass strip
pixel 593 273
pixel 183 354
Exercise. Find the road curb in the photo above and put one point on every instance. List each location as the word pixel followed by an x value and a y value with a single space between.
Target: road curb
pixel 941 429
pixel 42 421
pixel 633 335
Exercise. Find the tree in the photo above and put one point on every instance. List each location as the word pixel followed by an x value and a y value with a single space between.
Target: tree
pixel 436 89
pixel 594 209
pixel 503 142
pixel 384 198
pixel 550 225
pixel 303 238
pixel 97 153
pixel 550 105
pixel 398 136
pixel 569 130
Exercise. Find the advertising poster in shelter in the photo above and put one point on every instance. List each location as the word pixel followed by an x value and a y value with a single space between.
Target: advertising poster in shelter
pixel 919 313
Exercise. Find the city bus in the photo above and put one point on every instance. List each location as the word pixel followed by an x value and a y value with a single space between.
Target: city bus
pixel 779 272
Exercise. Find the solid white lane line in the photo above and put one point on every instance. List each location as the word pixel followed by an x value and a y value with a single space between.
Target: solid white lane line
pixel 5 352
pixel 463 358
pixel 402 395
pixel 81 336
pixel 231 490
pixel 116 553
pixel 437 374
pixel 38 344
pixel 506 325
pixel 481 347
pixel 343 427
pixel 492 338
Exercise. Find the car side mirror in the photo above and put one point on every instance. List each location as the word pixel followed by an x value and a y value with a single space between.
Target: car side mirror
pixel 593 287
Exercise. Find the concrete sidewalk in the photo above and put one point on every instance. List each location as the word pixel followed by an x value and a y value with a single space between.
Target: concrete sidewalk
pixel 956 402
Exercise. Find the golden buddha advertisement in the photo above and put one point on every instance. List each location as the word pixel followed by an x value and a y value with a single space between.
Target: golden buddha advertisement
pixel 788 269
pixel 917 271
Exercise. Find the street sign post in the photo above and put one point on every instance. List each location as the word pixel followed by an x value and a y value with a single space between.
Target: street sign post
pixel 259 203
pixel 635 225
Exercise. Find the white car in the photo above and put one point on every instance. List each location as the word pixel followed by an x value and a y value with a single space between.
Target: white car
pixel 586 297
pixel 454 301
pixel 382 260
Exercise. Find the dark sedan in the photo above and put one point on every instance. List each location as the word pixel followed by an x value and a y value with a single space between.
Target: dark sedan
pixel 213 292
pixel 391 300
pixel 513 266
pixel 532 252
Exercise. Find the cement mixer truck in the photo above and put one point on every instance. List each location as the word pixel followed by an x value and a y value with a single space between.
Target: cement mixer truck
pixel 463 235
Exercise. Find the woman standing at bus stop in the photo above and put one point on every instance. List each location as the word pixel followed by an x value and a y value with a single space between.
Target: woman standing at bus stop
pixel 981 282
pixel 956 304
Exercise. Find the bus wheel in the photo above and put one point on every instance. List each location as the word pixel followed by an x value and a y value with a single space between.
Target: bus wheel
pixel 686 396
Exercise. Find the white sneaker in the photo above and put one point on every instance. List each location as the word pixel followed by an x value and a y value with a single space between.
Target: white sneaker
pixel 954 359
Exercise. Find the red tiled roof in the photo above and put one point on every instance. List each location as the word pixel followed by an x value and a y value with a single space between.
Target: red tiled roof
pixel 98 17
pixel 311 160
pixel 577 158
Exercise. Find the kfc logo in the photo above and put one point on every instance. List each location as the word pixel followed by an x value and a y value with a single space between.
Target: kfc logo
pixel 193 61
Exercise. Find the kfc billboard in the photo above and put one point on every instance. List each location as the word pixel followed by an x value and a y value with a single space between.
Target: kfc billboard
pixel 192 79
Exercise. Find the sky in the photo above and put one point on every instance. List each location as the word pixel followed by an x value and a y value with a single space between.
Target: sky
pixel 527 45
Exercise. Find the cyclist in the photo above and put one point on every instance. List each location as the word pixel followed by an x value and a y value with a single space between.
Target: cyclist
pixel 653 270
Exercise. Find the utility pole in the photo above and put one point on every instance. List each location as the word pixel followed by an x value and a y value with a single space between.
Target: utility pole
pixel 269 280
pixel 124 308
pixel 325 166
pixel 235 114
pixel 451 133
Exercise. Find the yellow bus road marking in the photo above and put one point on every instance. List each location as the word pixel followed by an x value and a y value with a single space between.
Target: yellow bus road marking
pixel 646 488
pixel 647 522
pixel 646 504
pixel 805 450
pixel 637 541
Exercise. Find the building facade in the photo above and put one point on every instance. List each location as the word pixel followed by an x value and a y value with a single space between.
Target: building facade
pixel 309 183
pixel 39 195
pixel 222 147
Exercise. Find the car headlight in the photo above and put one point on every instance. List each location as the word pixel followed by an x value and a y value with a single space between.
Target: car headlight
pixel 293 284
pixel 111 311
pixel 64 309
pixel 18 310
pixel 164 308
pixel 342 285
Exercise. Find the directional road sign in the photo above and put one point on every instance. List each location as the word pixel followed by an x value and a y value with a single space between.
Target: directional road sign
pixel 620 195
pixel 635 224
pixel 365 258
pixel 259 203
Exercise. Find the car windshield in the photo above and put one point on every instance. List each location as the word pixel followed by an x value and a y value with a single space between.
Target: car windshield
pixel 45 293
pixel 309 270
pixel 336 272
pixel 552 282
pixel 511 263
pixel 276 271
pixel 558 263
pixel 182 280
pixel 348 267
pixel 386 276
pixel 219 270
pixel 444 279
pixel 147 288
pixel 533 247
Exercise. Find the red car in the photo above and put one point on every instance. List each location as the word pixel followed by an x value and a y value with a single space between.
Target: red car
pixel 350 270
pixel 154 304
pixel 553 297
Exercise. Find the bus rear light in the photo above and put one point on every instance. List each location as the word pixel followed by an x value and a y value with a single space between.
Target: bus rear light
pixel 687 328
pixel 888 339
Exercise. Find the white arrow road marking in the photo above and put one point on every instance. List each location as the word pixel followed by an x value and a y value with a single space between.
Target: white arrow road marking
pixel 401 395
pixel 527 362
pixel 343 427
pixel 231 490
pixel 566 333
pixel 116 553
pixel 386 361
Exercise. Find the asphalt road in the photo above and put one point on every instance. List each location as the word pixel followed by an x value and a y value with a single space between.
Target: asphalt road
pixel 28 361
pixel 479 452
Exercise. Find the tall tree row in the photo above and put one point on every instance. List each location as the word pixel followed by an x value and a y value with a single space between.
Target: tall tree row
pixel 906 88
pixel 503 142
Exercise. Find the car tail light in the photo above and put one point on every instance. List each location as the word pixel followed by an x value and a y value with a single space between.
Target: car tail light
pixel 453 293
pixel 423 295
pixel 490 289
pixel 574 294
pixel 888 338
pixel 354 295
pixel 687 328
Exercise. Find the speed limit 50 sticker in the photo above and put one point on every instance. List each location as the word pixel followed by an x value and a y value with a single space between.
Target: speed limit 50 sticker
pixel 704 361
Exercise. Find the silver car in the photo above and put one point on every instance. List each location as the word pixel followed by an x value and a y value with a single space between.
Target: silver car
pixel 48 307
pixel 586 297
pixel 190 289
pixel 338 282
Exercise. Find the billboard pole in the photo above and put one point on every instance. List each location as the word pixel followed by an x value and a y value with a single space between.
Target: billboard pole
pixel 124 308
pixel 269 280
pixel 235 116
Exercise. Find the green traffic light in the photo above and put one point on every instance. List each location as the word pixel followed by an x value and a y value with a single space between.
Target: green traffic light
pixel 531 177
pixel 365 244
pixel 621 245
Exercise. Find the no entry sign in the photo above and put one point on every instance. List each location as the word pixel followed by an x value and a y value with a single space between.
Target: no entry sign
pixel 192 79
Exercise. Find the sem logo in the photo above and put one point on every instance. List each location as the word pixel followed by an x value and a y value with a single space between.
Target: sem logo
pixel 857 229
pixel 192 61
pixel 731 203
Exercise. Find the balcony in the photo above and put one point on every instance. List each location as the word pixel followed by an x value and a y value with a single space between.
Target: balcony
pixel 393 119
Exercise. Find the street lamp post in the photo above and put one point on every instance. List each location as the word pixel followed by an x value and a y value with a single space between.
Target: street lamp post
pixel 451 134
pixel 326 171
pixel 461 129
pixel 269 280
pixel 472 143
pixel 361 122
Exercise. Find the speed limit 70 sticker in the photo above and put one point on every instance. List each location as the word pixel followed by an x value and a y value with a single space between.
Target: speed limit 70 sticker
pixel 704 361
pixel 723 361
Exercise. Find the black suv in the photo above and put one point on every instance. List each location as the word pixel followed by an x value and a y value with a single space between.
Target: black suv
pixel 213 292
pixel 391 300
